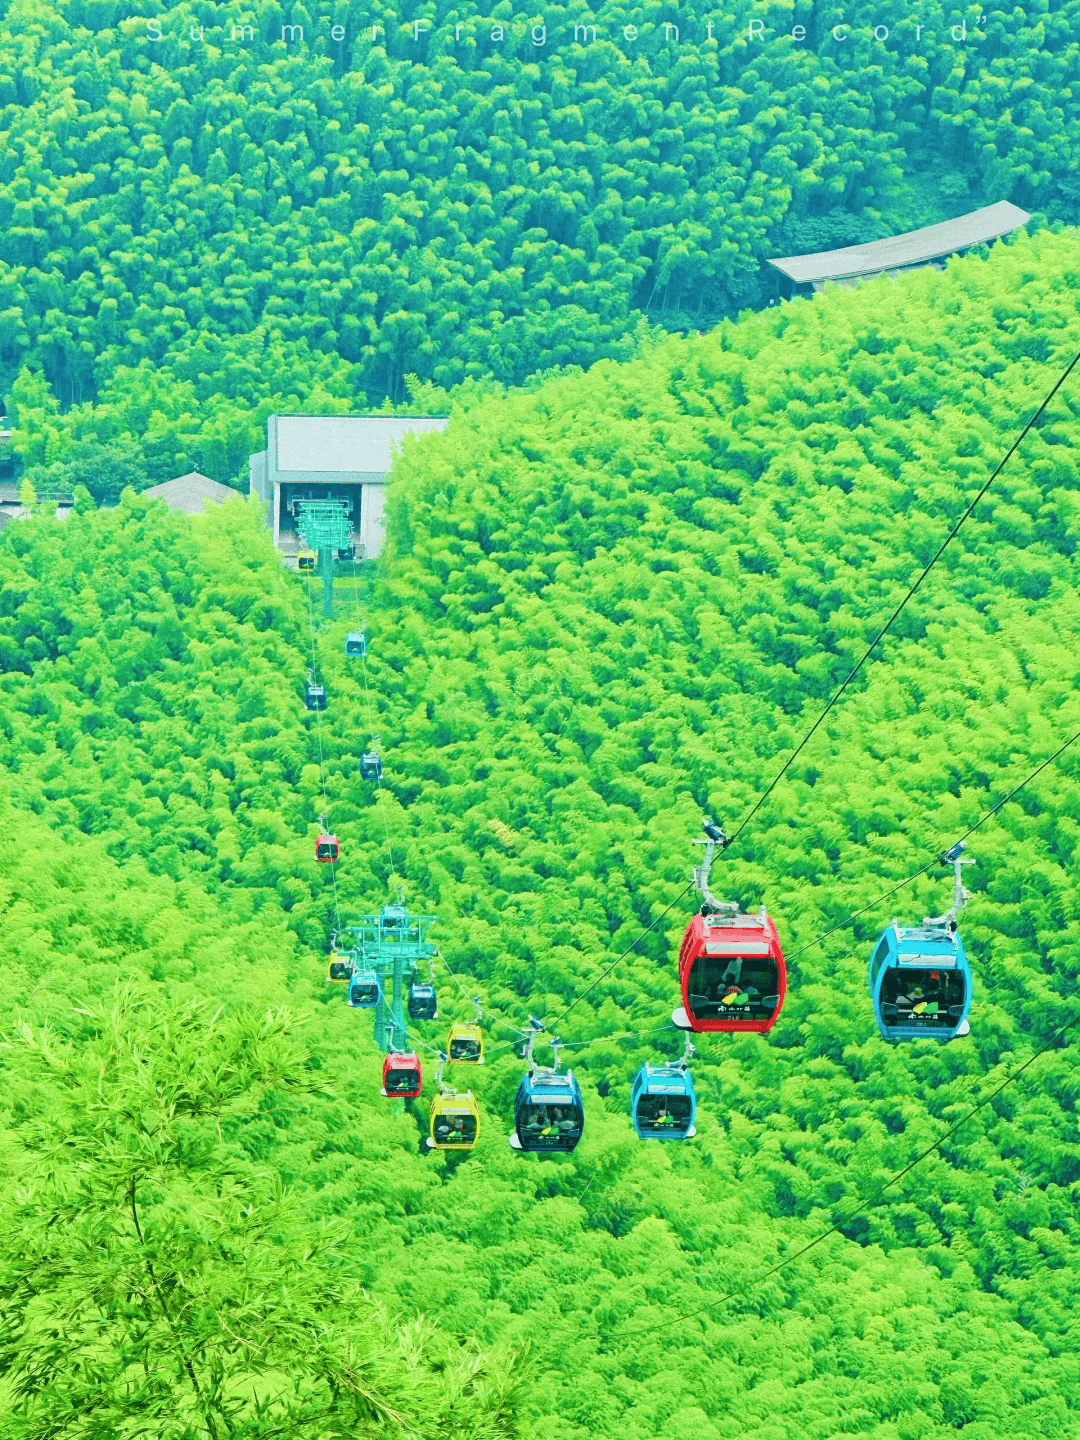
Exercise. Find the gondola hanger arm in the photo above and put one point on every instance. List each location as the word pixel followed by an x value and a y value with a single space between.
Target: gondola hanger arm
pixel 715 841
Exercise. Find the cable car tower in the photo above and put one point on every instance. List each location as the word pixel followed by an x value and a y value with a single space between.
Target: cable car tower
pixel 393 946
pixel 324 526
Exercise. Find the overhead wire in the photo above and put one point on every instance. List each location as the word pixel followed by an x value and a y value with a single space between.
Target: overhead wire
pixel 843 924
pixel 936 1145
pixel 871 1200
pixel 485 1007
pixel 582 1044
pixel 435 1049
pixel 371 713
pixel 622 1035
pixel 318 733
pixel 618 959
pixel 912 590
pixel 453 976
pixel 378 778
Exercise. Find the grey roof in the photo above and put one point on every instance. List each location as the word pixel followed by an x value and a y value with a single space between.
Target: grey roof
pixel 914 247
pixel 191 493
pixel 344 443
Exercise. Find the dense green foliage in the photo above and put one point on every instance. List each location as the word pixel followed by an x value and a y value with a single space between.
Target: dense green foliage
pixel 197 230
pixel 582 637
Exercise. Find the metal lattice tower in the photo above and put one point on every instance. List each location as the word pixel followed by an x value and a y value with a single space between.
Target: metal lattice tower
pixel 324 526
pixel 394 945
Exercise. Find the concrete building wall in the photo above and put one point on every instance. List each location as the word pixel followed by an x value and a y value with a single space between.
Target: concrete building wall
pixel 346 455
pixel 372 532
pixel 257 474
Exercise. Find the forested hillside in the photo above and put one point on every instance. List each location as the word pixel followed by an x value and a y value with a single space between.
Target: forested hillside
pixel 581 638
pixel 202 221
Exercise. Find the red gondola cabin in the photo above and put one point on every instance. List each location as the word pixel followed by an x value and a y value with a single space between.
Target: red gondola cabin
pixel 402 1077
pixel 732 973
pixel 326 848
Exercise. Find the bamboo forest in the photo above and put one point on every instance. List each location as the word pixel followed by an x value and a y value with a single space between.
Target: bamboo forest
pixel 605 965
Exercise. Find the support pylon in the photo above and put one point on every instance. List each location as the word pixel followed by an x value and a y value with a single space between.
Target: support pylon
pixel 395 945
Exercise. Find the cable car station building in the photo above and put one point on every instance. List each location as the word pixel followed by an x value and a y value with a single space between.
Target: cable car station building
pixel 331 457
pixel 915 249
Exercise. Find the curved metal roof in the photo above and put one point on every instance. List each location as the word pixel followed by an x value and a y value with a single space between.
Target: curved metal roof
pixel 914 247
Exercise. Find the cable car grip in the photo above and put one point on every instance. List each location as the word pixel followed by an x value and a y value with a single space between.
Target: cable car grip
pixel 715 841
pixel 955 857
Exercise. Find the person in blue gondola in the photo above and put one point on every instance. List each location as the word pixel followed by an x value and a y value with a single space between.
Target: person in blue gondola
pixel 926 997
pixel 928 1001
pixel 567 1125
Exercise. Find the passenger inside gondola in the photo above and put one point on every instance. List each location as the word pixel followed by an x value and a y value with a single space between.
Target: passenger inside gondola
pixel 364 990
pixel 746 988
pixel 423 1002
pixel 464 1048
pixel 664 1112
pixel 541 1122
pixel 537 1121
pixel 455 1130
pixel 930 999
pixel 400 1080
pixel 340 969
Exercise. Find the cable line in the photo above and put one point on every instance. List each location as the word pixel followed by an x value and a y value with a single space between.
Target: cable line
pixel 622 1035
pixel 842 924
pixel 633 944
pixel 864 1205
pixel 318 733
pixel 453 976
pixel 899 608
pixel 378 778
pixel 370 716
pixel 729 840
pixel 581 1044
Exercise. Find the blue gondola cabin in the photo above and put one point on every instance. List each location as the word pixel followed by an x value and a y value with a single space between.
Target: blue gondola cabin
pixel 548 1113
pixel 355 643
pixel 920 982
pixel 423 1002
pixel 662 1103
pixel 364 990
